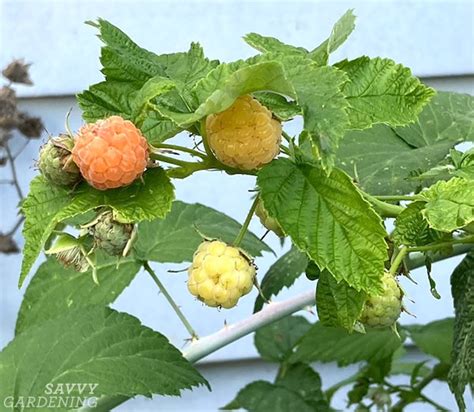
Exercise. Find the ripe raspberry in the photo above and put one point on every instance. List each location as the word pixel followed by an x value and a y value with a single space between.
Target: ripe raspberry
pixel 383 310
pixel 269 222
pixel 55 161
pixel 110 153
pixel 244 136
pixel 220 274
pixel 109 235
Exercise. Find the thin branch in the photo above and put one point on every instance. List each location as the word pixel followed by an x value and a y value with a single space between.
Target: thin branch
pixel 170 300
pixel 243 229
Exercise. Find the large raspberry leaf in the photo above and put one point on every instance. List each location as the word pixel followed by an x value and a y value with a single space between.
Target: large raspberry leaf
pixel 297 389
pixel 283 273
pixel 327 217
pixel 462 370
pixel 330 344
pixel 450 205
pixel 384 159
pixel 381 91
pixel 94 345
pixel 275 342
pixel 145 199
pixel 337 303
pixel 175 238
pixel 54 289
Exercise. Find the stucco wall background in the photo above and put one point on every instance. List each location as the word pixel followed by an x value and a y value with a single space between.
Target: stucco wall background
pixel 434 38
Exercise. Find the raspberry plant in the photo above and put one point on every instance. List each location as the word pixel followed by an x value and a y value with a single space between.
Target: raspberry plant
pixel 375 146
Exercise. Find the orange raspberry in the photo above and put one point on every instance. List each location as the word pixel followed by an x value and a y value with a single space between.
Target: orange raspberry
pixel 110 153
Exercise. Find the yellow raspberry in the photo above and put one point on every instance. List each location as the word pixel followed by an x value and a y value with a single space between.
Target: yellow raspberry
pixel 383 310
pixel 110 153
pixel 245 136
pixel 220 274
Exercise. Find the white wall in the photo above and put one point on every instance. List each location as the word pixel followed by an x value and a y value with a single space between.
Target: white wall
pixel 432 37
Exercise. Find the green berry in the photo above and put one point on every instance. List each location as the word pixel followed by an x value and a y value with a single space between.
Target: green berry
pixel 383 310
pixel 109 235
pixel 269 222
pixel 55 161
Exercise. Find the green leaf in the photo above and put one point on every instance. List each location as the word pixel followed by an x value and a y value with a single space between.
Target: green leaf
pixel 305 381
pixel 224 84
pixel 449 116
pixel 176 238
pixel 282 273
pixel 43 202
pixel 121 58
pixel 381 91
pixel 318 93
pixel 339 34
pixel 337 303
pixel 435 338
pixel 262 396
pixel 328 344
pixel 95 345
pixel 145 199
pixel 462 369
pixel 450 205
pixel 106 99
pixel 275 342
pixel 54 289
pixel 412 229
pixel 327 217
pixel 280 107
pixel 382 162
pixel 267 44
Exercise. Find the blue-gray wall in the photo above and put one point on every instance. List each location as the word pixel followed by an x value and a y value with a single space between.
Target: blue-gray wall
pixel 434 38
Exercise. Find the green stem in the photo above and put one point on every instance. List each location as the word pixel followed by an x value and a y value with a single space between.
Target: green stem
pixel 435 246
pixel 171 160
pixel 170 300
pixel 180 149
pixel 384 209
pixel 286 136
pixel 398 260
pixel 400 405
pixel 396 198
pixel 418 260
pixel 245 226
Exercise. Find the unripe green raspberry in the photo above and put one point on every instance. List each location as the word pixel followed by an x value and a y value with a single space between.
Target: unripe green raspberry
pixel 109 235
pixel 55 161
pixel 383 310
pixel 220 274
pixel 269 222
